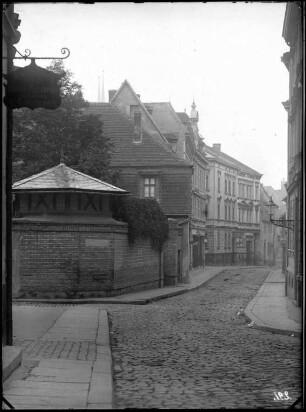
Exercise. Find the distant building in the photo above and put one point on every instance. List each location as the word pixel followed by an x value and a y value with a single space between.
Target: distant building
pixel 279 197
pixel 195 153
pixel 233 224
pixel 269 243
pixel 293 60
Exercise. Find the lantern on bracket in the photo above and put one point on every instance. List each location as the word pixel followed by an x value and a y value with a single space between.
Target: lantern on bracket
pixel 287 224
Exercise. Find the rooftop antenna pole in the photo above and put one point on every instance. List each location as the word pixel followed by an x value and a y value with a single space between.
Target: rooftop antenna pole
pixel 62 158
pixel 99 97
pixel 102 92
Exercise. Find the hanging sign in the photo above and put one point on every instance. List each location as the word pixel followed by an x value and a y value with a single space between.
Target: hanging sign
pixel 32 87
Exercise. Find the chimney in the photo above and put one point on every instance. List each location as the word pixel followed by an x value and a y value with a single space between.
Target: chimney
pixel 111 94
pixel 217 147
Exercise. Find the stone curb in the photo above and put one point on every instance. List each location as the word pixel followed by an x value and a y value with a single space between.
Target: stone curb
pixel 250 317
pixel 110 300
pixel 101 392
pixel 143 301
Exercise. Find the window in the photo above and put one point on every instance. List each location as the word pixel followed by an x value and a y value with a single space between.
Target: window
pixel 233 188
pixel 218 208
pixel 218 240
pixel 229 241
pixel 219 181
pixel 150 187
pixel 225 186
pixel 225 241
pixel 233 213
pixel 256 192
pixel 229 187
pixel 137 127
pixel 206 182
pixel 225 212
pixel 206 211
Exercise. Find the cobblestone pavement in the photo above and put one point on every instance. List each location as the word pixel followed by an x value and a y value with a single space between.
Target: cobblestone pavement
pixel 194 351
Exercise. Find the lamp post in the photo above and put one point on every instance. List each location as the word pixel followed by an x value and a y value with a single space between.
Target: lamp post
pixel 288 224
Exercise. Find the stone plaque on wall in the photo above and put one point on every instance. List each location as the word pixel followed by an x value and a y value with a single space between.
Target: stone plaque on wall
pixel 96 243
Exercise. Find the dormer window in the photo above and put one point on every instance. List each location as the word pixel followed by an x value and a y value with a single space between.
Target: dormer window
pixel 173 146
pixel 137 127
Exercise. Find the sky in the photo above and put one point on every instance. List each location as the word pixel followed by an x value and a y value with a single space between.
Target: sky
pixel 223 55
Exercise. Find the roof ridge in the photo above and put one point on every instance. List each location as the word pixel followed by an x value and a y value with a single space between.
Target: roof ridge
pixel 233 159
pixel 65 168
pixel 32 177
pixel 93 178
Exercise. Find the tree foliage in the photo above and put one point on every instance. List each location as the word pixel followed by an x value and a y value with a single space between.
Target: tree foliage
pixel 145 219
pixel 40 135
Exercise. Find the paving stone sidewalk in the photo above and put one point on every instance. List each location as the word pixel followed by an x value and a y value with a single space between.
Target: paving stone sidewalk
pixel 68 367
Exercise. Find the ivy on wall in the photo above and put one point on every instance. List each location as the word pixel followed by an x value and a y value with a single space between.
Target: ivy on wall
pixel 145 219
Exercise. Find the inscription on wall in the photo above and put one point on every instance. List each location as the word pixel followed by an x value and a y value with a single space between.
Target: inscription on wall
pixel 96 243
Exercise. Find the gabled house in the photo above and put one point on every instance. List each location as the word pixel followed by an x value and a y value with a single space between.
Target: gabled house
pixel 182 134
pixel 149 168
pixel 234 210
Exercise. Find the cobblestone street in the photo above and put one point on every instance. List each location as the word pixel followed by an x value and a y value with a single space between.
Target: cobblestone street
pixel 194 351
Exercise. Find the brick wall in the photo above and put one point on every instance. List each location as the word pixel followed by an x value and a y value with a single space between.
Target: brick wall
pixel 136 267
pixel 79 260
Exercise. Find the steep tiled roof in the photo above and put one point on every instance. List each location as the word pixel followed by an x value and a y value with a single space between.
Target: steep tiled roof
pixel 165 117
pixel 183 116
pixel 120 131
pixel 191 137
pixel 63 178
pixel 230 161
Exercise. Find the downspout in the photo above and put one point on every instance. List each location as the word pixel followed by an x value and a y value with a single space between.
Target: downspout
pixel 161 269
pixel 9 117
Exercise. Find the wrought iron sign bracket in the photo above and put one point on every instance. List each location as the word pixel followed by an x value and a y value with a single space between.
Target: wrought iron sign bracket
pixel 27 55
pixel 287 224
